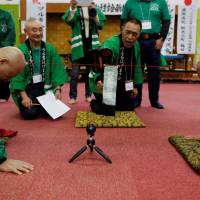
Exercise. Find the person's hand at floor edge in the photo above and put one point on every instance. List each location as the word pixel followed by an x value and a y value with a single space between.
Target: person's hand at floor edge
pixel 16 166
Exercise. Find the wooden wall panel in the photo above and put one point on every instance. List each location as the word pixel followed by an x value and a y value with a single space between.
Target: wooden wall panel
pixel 57 8
pixel 59 33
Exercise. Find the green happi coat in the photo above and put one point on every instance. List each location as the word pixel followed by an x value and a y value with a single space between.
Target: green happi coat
pixel 77 40
pixel 3 154
pixel 55 74
pixel 153 10
pixel 113 44
pixel 7 29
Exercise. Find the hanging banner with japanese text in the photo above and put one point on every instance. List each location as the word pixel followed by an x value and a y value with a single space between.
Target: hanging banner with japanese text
pixel 168 44
pixel 111 7
pixel 37 9
pixel 186 34
pixel 198 37
pixel 114 7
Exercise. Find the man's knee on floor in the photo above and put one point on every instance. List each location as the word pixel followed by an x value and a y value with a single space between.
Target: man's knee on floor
pixel 102 109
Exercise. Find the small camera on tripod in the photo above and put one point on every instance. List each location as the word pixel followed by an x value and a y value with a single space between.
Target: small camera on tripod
pixel 91 145
pixel 90 130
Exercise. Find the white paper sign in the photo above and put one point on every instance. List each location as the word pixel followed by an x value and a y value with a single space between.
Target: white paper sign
pixel 167 48
pixel 53 106
pixel 110 85
pixel 186 36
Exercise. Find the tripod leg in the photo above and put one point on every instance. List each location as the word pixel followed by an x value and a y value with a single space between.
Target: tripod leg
pixel 101 153
pixel 77 154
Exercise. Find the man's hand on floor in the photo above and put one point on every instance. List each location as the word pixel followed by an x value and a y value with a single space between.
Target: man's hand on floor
pixel 16 166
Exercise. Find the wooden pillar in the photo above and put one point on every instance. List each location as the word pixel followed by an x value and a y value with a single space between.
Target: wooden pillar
pixel 22 18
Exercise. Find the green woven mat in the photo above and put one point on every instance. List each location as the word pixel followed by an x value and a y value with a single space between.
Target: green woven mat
pixel 189 148
pixel 121 119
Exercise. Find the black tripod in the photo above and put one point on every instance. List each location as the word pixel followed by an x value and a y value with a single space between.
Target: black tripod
pixel 91 144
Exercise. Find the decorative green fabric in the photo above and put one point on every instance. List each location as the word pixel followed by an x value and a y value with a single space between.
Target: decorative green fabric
pixel 189 148
pixel 122 119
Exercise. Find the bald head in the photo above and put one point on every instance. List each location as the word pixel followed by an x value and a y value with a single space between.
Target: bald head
pixel 12 62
